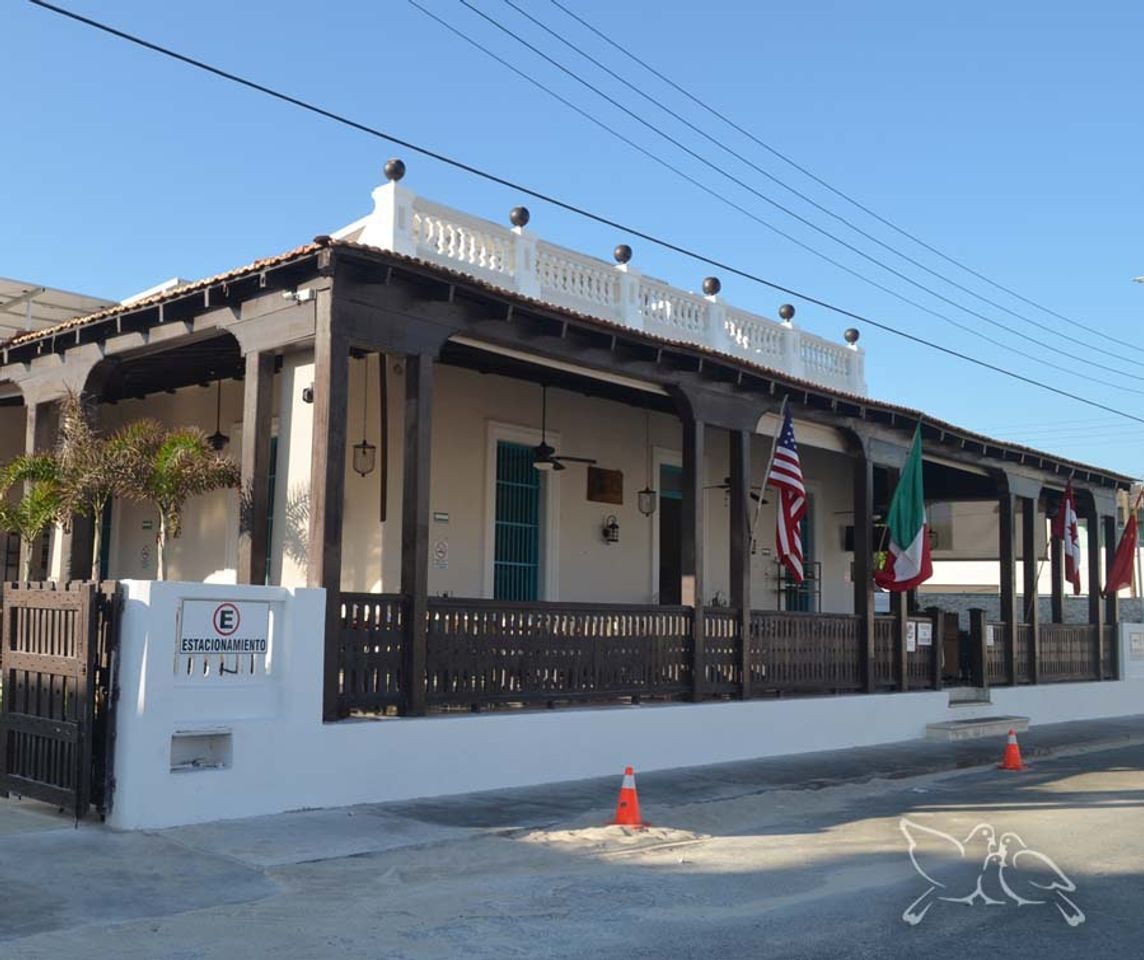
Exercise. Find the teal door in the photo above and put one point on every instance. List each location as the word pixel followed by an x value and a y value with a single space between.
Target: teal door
pixel 516 552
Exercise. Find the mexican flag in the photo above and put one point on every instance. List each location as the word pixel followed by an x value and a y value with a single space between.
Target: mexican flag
pixel 908 563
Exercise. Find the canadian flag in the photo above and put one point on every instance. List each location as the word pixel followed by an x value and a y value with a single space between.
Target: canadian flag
pixel 1065 529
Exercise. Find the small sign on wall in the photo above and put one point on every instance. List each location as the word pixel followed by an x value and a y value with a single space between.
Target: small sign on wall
pixel 605 486
pixel 925 634
pixel 224 626
pixel 911 637
pixel 989 632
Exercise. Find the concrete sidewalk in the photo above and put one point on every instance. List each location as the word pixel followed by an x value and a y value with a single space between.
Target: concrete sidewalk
pixel 57 877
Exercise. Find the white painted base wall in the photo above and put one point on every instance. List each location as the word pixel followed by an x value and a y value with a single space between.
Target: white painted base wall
pixel 285 758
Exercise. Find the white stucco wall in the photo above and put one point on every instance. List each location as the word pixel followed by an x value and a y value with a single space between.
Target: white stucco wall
pixel 282 757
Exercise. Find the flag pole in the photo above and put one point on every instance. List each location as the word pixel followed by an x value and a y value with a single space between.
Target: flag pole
pixel 770 463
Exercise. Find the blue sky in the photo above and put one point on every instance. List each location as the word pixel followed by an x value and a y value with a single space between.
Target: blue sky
pixel 1007 135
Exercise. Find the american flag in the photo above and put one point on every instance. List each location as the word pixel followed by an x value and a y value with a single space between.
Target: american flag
pixel 786 475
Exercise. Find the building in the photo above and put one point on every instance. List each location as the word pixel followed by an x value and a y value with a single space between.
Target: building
pixel 524 475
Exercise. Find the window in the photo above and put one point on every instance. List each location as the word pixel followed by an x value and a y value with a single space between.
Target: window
pixel 516 551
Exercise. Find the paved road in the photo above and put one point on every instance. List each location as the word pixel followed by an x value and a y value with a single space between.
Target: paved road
pixel 759 865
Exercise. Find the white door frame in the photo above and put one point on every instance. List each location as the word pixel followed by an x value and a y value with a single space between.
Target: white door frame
pixel 660 456
pixel 496 431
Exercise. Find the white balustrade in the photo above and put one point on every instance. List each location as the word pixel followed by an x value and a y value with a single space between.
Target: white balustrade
pixel 516 260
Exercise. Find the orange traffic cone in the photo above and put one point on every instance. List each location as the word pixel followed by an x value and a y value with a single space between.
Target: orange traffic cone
pixel 1012 758
pixel 628 805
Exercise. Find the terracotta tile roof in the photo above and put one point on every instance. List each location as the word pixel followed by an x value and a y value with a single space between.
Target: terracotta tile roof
pixel 449 273
pixel 153 300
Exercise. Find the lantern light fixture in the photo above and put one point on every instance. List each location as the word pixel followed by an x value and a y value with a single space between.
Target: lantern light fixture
pixel 218 440
pixel 611 529
pixel 365 453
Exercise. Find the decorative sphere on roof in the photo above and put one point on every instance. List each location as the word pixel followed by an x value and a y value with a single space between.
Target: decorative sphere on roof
pixel 394 169
pixel 786 312
pixel 850 335
pixel 711 286
pixel 518 216
pixel 622 253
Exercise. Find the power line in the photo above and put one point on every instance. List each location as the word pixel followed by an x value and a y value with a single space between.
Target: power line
pixel 759 194
pixel 774 151
pixel 579 211
pixel 706 188
pixel 798 193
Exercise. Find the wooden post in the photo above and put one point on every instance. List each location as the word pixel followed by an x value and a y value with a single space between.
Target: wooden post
pixel 740 545
pixel 1030 521
pixel 327 484
pixel 37 439
pixel 1057 570
pixel 691 547
pixel 977 630
pixel 1095 601
pixel 863 564
pixel 257 402
pixel 938 617
pixel 415 525
pixel 900 611
pixel 1009 614
pixel 1111 602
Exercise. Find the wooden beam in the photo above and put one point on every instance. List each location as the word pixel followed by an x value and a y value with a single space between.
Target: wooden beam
pixel 1006 530
pixel 1057 572
pixel 863 564
pixel 257 406
pixel 1111 602
pixel 327 484
pixel 415 525
pixel 1095 601
pixel 691 546
pixel 740 546
pixel 1031 607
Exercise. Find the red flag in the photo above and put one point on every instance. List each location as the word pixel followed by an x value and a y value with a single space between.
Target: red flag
pixel 1065 529
pixel 1121 573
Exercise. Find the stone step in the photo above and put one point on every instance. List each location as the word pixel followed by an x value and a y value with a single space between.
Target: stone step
pixel 968 696
pixel 975 728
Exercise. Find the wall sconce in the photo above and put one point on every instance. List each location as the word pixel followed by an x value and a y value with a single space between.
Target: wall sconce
pixel 646 500
pixel 611 529
pixel 308 394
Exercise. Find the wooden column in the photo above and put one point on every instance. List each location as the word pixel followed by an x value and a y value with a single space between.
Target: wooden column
pixel 939 618
pixel 1031 606
pixel 1057 571
pixel 1009 613
pixel 38 438
pixel 1095 601
pixel 740 545
pixel 691 546
pixel 415 525
pixel 980 651
pixel 257 403
pixel 863 564
pixel 328 482
pixel 900 611
pixel 1112 602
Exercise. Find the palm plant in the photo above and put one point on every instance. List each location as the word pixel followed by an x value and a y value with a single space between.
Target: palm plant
pixel 39 504
pixel 168 467
pixel 92 470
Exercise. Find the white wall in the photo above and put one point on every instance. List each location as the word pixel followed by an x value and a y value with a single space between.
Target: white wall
pixel 283 756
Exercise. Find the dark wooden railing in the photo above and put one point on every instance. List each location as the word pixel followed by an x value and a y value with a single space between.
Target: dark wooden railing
pixel 1069 652
pixel 805 652
pixel 1023 653
pixel 919 661
pixel 996 671
pixel 487 651
pixel 885 649
pixel 721 656
pixel 370 643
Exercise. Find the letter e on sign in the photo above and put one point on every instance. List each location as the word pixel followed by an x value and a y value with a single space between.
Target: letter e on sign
pixel 226 619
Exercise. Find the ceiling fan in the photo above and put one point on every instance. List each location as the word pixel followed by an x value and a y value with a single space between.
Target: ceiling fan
pixel 725 486
pixel 544 456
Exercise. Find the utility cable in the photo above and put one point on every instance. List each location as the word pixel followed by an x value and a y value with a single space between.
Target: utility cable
pixel 579 211
pixel 774 151
pixel 738 181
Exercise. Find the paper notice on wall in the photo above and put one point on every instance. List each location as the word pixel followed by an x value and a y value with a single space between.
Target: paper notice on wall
pixel 911 637
pixel 925 634
pixel 989 636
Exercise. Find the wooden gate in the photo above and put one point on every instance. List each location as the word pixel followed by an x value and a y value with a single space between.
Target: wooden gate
pixel 56 669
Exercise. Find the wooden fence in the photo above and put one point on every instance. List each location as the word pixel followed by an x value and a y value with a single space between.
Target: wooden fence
pixel 805 652
pixel 488 651
pixel 370 640
pixel 1069 652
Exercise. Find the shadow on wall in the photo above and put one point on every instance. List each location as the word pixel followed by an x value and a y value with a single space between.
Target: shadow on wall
pixel 294 522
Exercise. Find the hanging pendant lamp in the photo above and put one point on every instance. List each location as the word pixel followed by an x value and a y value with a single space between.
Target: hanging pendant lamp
pixel 218 440
pixel 647 499
pixel 365 453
